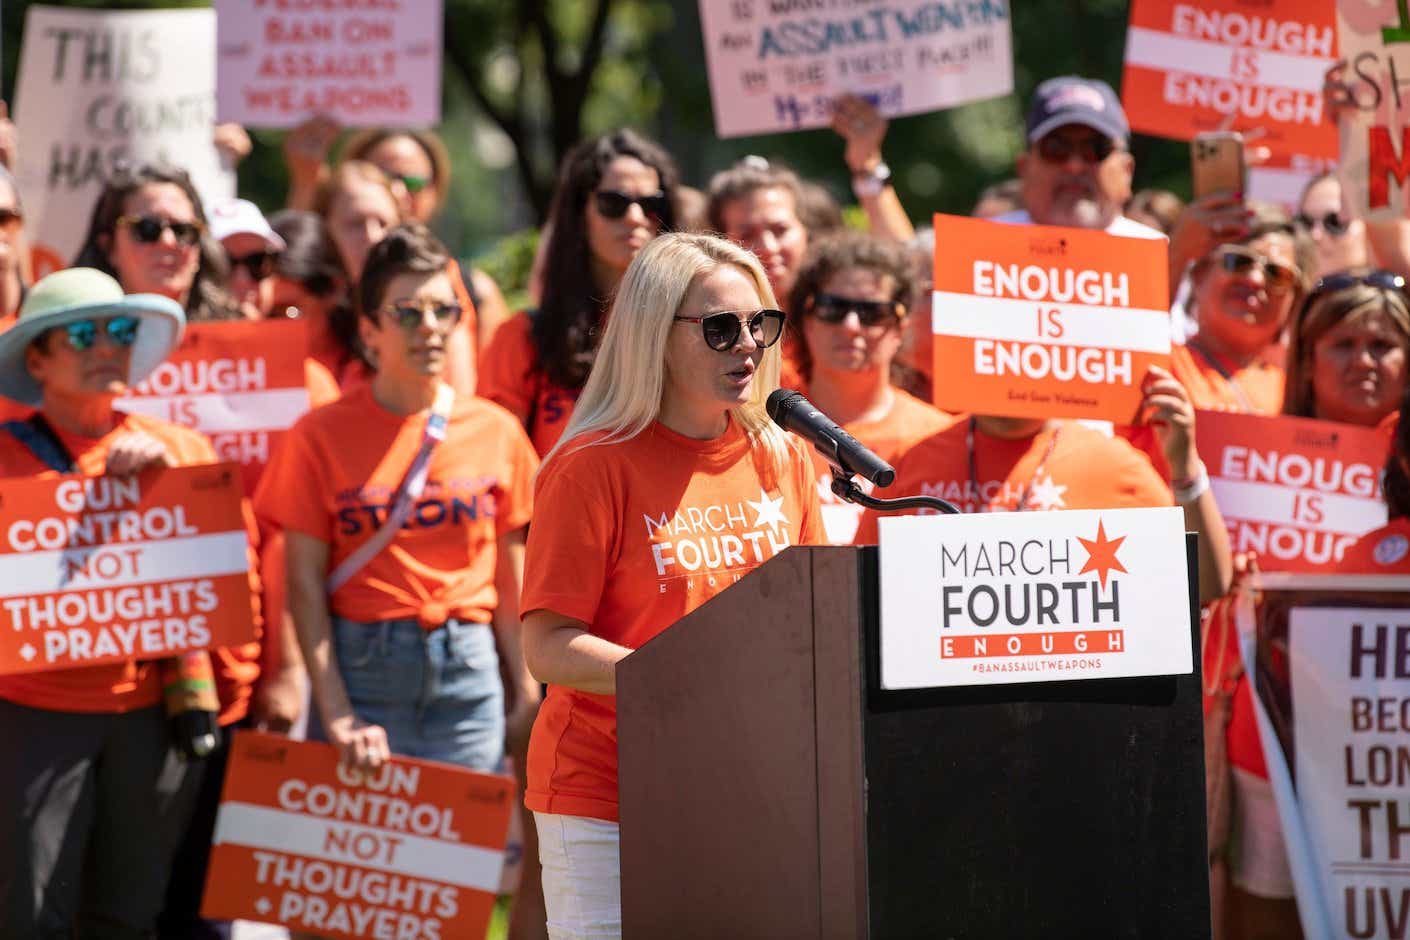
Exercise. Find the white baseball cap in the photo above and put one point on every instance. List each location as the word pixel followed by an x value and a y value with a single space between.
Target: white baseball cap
pixel 240 216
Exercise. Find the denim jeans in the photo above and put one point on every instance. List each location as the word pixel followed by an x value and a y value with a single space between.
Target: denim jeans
pixel 437 692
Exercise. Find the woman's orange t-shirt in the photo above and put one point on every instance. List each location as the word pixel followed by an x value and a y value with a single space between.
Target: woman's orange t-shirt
pixel 117 687
pixel 1255 389
pixel 510 377
pixel 630 537
pixel 334 479
pixel 1084 470
pixel 909 420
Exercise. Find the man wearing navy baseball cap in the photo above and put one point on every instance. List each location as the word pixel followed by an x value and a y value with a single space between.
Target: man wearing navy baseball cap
pixel 1077 169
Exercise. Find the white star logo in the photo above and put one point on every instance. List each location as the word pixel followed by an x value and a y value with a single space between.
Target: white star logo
pixel 768 512
pixel 1046 494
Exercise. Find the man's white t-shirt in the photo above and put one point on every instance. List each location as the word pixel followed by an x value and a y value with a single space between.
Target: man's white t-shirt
pixel 1126 228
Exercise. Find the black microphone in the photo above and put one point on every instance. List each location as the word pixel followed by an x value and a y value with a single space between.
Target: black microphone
pixel 792 412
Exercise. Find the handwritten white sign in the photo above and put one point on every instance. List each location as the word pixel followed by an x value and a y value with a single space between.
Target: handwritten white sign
pixel 777 65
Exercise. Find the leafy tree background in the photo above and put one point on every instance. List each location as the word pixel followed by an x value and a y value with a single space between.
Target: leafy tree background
pixel 524 79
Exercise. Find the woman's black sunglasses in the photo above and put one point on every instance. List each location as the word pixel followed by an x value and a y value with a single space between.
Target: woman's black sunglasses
pixel 148 229
pixel 833 308
pixel 1332 223
pixel 612 204
pixel 722 330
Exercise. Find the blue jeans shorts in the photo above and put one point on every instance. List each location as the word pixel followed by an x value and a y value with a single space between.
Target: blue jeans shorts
pixel 437 692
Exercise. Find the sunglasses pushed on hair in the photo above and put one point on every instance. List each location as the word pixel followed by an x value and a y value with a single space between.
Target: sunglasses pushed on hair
pixel 149 228
pixel 83 334
pixel 1385 280
pixel 722 330
pixel 612 204
pixel 833 308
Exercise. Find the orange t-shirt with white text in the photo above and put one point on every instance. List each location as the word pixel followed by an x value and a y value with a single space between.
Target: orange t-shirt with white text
pixel 336 474
pixel 112 687
pixel 909 420
pixel 628 538
pixel 1065 466
pixel 510 377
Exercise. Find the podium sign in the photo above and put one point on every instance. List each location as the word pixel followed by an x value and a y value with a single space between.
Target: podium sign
pixel 1003 598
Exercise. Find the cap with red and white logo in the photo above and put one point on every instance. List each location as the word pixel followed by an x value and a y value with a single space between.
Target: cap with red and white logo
pixel 240 216
pixel 1073 100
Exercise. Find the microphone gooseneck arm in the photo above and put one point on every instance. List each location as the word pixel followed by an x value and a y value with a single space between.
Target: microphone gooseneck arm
pixel 844 487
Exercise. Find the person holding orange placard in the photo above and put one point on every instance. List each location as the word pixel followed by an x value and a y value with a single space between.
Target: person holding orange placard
pixel 853 297
pixel 671 425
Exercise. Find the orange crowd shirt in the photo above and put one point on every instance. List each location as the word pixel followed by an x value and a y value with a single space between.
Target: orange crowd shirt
pixel 628 538
pixel 1255 389
pixel 1383 551
pixel 510 377
pixel 1065 466
pixel 909 420
pixel 112 687
pixel 336 474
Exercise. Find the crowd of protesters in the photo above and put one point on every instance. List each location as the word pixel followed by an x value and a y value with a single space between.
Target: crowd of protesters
pixel 634 386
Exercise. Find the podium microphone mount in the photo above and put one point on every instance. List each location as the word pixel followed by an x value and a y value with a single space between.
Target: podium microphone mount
pixel 844 487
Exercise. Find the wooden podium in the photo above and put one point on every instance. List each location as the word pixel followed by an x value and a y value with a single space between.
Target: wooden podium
pixel 770 789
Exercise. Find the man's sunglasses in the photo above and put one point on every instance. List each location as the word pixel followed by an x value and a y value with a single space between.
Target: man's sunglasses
pixel 613 205
pixel 1332 223
pixel 9 217
pixel 1242 261
pixel 833 308
pixel 149 228
pixel 260 264
pixel 82 334
pixel 722 330
pixel 1093 148
pixel 410 316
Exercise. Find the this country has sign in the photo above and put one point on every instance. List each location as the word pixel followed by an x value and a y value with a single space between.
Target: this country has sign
pixel 240 383
pixel 1294 491
pixel 1039 321
pixel 362 64
pixel 1002 598
pixel 1366 86
pixel 105 569
pixel 411 851
pixel 1194 66
pixel 98 89
pixel 1350 680
pixel 777 65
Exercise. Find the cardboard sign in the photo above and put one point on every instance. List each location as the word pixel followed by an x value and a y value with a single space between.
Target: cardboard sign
pixel 241 383
pixel 105 569
pixel 1190 64
pixel 1045 322
pixel 777 65
pixel 1351 716
pixel 1297 492
pixel 1033 597
pixel 413 850
pixel 96 89
pixel 1366 83
pixel 363 64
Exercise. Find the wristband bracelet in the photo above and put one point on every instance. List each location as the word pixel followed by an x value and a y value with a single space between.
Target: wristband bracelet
pixel 1187 491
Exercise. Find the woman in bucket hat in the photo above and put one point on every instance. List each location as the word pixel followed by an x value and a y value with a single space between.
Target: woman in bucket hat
pixel 95 793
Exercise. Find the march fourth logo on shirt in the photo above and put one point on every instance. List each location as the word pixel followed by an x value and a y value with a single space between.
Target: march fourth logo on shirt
pixel 999 495
pixel 721 538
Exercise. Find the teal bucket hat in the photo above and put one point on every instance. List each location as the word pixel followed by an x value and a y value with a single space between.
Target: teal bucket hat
pixel 76 294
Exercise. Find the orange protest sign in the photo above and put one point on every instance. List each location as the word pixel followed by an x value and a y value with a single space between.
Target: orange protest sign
pixel 1295 491
pixel 241 383
pixel 413 850
pixel 1045 322
pixel 104 569
pixel 1189 66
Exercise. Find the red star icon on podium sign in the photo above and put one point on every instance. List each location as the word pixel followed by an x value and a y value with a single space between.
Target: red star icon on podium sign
pixel 1101 554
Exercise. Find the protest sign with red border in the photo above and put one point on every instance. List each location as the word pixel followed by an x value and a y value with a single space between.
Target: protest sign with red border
pixel 362 64
pixel 105 569
pixel 1295 491
pixel 1189 66
pixel 411 850
pixel 1039 321
pixel 241 383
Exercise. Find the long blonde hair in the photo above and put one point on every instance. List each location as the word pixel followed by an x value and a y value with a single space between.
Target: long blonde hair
pixel 623 393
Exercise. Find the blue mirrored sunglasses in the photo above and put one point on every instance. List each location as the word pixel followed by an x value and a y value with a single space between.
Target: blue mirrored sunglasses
pixel 122 330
